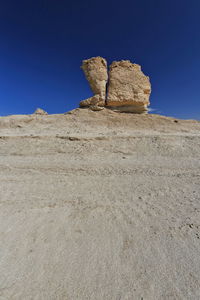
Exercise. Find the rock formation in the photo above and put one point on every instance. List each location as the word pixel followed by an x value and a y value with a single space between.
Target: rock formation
pixel 128 88
pixel 40 111
pixel 95 70
pixel 93 101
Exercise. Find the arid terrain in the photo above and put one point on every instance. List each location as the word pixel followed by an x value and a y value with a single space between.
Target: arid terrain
pixel 99 205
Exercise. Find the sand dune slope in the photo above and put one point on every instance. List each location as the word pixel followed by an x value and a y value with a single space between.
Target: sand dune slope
pixel 99 205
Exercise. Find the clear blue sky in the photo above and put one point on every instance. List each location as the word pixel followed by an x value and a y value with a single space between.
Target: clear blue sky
pixel 42 44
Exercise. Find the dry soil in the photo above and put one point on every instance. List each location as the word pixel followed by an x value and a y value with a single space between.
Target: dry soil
pixel 99 205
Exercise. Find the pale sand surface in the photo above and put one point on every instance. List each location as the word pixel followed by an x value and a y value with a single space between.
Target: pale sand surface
pixel 99 205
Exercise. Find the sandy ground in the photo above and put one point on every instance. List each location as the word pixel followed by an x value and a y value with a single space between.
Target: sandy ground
pixel 99 205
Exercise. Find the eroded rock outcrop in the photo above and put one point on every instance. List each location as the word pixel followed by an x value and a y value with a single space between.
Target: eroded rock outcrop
pixel 95 70
pixel 125 88
pixel 129 89
pixel 40 111
pixel 92 101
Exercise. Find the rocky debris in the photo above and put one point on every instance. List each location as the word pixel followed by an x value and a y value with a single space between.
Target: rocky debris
pixel 129 89
pixel 95 103
pixel 95 100
pixel 40 111
pixel 95 70
pixel 96 108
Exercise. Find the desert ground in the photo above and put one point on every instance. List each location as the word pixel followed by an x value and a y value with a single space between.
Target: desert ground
pixel 99 205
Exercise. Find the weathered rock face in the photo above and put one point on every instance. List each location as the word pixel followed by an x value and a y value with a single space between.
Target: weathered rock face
pixel 95 70
pixel 129 89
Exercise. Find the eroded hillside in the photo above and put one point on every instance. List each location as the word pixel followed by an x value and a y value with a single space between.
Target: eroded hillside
pixel 99 205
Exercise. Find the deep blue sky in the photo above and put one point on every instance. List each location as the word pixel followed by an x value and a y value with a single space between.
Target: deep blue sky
pixel 42 44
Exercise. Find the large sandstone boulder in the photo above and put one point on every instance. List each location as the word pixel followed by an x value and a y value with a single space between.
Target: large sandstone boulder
pixel 129 89
pixel 95 70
